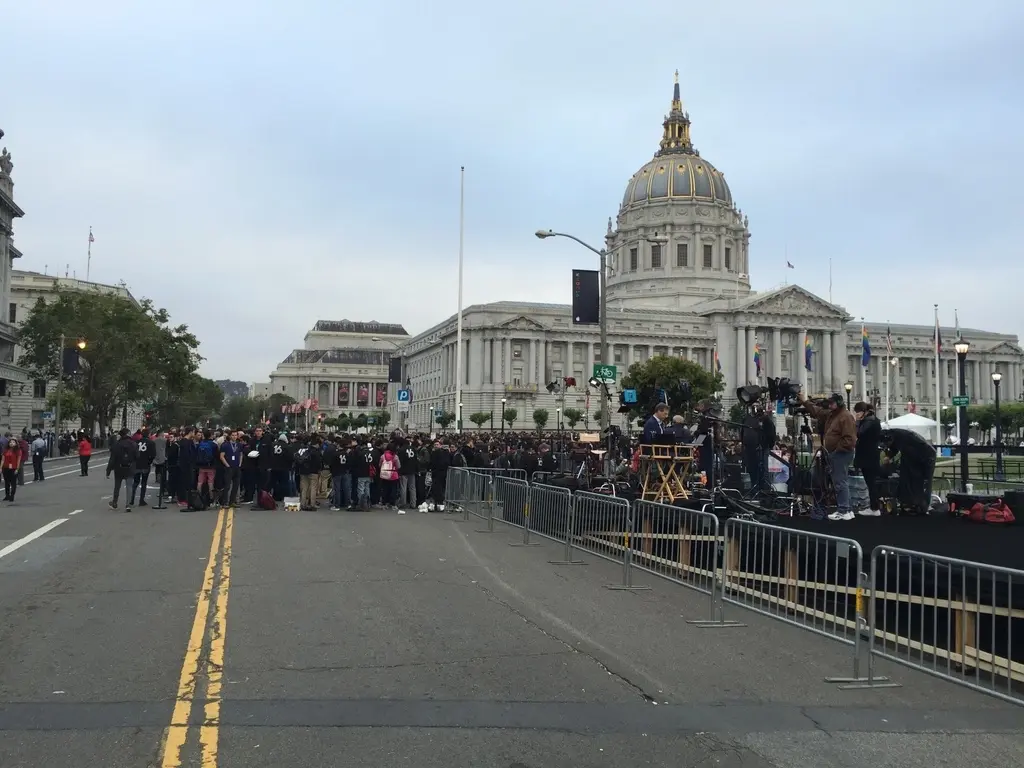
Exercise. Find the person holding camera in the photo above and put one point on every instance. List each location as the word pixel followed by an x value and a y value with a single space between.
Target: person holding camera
pixel 839 439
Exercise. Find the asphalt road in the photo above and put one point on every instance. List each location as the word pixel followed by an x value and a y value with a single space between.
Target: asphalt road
pixel 246 639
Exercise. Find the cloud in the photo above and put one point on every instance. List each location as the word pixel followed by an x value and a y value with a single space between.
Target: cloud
pixel 255 167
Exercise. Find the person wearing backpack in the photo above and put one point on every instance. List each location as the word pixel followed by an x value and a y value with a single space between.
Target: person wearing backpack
pixel 206 458
pixel 123 456
pixel 389 474
pixel 308 463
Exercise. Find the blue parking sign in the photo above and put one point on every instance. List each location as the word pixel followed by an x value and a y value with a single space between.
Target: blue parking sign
pixel 405 395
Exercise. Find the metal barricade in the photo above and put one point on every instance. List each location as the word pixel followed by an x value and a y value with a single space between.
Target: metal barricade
pixel 948 617
pixel 456 488
pixel 679 544
pixel 550 508
pixel 809 580
pixel 603 526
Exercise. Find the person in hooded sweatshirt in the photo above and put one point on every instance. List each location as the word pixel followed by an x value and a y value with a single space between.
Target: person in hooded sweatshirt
pixel 146 453
pixel 440 460
pixel 124 455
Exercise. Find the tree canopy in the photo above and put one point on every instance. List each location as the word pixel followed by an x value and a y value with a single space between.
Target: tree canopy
pixel 130 354
pixel 669 373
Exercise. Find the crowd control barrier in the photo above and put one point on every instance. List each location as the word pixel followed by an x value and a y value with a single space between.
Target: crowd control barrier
pixel 951 618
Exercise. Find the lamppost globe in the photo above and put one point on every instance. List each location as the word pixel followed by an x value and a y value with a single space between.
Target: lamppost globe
pixel 997 377
pixel 543 233
pixel 962 347
pixel 81 344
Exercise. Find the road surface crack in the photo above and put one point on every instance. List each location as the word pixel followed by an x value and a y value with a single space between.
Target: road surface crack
pixel 400 665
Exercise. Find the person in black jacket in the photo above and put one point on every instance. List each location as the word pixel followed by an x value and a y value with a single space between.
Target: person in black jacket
pixel 407 475
pixel 146 454
pixel 123 457
pixel 280 467
pixel 360 458
pixel 440 460
pixel 186 465
pixel 867 454
pixel 308 463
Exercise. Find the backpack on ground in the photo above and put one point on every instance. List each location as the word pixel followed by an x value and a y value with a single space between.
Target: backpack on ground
pixel 265 501
pixel 196 501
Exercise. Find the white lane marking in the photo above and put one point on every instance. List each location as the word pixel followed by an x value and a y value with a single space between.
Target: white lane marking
pixel 31 537
pixel 59 474
pixel 75 511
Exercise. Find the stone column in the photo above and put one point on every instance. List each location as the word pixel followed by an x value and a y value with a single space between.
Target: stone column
pixel 841 372
pixel 751 368
pixel 506 373
pixel 827 375
pixel 776 368
pixel 801 361
pixel 741 357
pixel 588 370
pixel 542 374
pixel 975 380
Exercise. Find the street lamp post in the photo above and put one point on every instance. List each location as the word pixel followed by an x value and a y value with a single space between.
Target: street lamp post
pixel 962 348
pixel 503 401
pixel 602 253
pixel 849 389
pixel 60 383
pixel 997 378
pixel 458 421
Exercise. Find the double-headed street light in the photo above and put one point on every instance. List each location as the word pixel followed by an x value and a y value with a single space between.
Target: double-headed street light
pixel 997 378
pixel 603 253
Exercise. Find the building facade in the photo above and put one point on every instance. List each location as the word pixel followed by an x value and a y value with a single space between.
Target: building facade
pixel 13 378
pixel 679 284
pixel 28 405
pixel 343 365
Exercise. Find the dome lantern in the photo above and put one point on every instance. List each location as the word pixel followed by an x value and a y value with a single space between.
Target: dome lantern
pixel 676 136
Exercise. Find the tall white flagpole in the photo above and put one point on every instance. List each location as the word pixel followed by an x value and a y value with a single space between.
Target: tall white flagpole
pixel 458 331
pixel 888 402
pixel 88 256
pixel 938 396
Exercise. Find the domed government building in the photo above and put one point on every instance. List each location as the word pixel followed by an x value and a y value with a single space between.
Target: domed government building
pixel 688 295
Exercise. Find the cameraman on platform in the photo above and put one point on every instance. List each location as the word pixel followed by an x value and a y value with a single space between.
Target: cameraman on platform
pixel 758 437
pixel 839 438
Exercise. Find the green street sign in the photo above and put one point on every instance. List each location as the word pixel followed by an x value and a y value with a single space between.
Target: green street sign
pixel 961 400
pixel 605 373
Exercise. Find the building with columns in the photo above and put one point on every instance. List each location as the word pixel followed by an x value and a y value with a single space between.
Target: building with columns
pixel 343 365
pixel 687 294
pixel 13 378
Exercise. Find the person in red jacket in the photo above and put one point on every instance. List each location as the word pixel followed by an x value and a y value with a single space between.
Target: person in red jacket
pixel 84 453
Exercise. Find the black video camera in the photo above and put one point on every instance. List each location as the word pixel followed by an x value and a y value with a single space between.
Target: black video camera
pixel 786 391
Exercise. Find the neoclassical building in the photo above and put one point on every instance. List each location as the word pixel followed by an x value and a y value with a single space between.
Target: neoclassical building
pixel 13 378
pixel 679 284
pixel 343 365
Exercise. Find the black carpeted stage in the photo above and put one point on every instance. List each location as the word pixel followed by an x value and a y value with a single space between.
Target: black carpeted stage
pixel 933 534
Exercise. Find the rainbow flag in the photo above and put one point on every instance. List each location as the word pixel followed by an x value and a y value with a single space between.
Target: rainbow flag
pixel 808 352
pixel 757 358
pixel 865 347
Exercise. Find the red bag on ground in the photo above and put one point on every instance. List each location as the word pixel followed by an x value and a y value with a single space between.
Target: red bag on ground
pixel 265 501
pixel 996 512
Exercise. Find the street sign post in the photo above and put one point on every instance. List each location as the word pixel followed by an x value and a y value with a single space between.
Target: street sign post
pixel 604 373
pixel 405 395
pixel 48 415
pixel 961 401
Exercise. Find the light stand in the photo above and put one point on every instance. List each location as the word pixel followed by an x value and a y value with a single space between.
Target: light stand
pixel 849 392
pixel 962 348
pixel 503 401
pixel 997 379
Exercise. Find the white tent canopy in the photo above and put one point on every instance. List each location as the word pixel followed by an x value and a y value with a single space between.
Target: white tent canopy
pixel 922 425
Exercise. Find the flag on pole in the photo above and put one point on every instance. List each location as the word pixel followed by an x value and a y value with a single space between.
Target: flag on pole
pixel 91 238
pixel 865 346
pixel 888 341
pixel 718 363
pixel 808 351
pixel 789 265
pixel 956 324
pixel 757 358
pixel 938 336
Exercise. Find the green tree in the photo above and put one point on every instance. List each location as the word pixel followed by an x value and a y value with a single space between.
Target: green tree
pixel 597 415
pixel 668 373
pixel 72 404
pixel 343 421
pixel 445 419
pixel 480 418
pixel 509 416
pixel 381 419
pixel 573 416
pixel 737 412
pixel 240 412
pixel 360 421
pixel 540 418
pixel 132 354
pixel 196 401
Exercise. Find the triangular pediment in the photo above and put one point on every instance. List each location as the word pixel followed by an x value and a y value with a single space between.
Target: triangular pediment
pixel 522 323
pixel 1004 348
pixel 792 300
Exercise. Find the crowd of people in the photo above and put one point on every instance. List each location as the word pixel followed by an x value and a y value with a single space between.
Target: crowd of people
pixel 16 452
pixel 198 468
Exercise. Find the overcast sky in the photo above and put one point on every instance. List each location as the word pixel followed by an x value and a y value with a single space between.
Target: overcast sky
pixel 254 166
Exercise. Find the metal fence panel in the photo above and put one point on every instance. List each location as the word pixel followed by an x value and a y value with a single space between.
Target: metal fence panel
pixel 948 617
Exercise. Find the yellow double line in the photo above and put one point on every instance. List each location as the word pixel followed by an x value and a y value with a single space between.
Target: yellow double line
pixel 203 669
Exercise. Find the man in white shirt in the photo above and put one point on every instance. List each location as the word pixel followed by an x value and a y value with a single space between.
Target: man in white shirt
pixel 38 449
